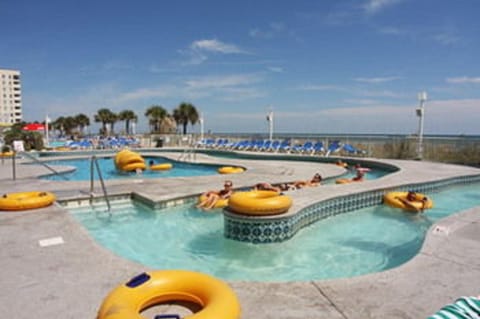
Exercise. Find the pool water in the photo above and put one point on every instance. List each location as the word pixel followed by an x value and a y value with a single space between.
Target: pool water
pixel 107 167
pixel 360 242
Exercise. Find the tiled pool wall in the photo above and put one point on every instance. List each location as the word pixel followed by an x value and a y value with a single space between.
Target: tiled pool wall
pixel 94 201
pixel 262 230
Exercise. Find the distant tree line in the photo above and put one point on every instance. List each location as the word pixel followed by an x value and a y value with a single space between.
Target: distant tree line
pixel 159 120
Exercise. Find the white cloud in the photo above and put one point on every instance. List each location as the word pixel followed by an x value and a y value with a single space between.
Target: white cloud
pixel 446 38
pixel 375 6
pixel 378 79
pixel 116 65
pixel 384 93
pixel 199 50
pixel 241 94
pixel 213 45
pixel 274 29
pixel 275 69
pixel 463 79
pixel 361 101
pixel 321 87
pixel 392 31
pixel 146 93
pixel 223 81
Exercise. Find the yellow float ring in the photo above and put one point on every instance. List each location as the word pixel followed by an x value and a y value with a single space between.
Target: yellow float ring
pixel 221 202
pixel 133 167
pixel 230 170
pixel 121 154
pixel 345 165
pixel 392 199
pixel 26 200
pixel 215 297
pixel 129 158
pixel 7 154
pixel 161 167
pixel 259 203
pixel 343 181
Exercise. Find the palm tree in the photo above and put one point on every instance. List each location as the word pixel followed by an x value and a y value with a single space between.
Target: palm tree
pixel 81 120
pixel 127 116
pixel 69 124
pixel 155 114
pixel 105 116
pixel 58 125
pixel 185 113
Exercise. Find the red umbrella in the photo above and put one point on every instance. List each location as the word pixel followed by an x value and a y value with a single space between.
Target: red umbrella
pixel 34 127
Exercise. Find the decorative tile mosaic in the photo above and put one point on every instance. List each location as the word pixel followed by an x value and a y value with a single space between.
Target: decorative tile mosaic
pixel 265 230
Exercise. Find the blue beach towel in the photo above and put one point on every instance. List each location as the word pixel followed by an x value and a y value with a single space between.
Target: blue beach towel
pixel 463 308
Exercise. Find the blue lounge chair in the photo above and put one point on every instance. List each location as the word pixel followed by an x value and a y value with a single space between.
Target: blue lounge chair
pixel 463 308
pixel 349 148
pixel 266 145
pixel 334 147
pixel 284 146
pixel 210 142
pixel 318 148
pixel 240 145
pixel 307 147
pixel 274 146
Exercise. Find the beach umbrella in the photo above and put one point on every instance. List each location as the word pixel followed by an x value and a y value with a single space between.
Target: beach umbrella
pixel 34 127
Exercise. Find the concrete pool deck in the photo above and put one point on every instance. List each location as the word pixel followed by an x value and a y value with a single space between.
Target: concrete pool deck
pixel 71 279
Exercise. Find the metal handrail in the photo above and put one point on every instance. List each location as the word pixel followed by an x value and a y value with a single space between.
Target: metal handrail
pixel 94 161
pixel 36 160
pixel 188 154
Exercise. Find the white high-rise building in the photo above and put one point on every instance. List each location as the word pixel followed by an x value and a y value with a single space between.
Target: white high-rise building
pixel 10 97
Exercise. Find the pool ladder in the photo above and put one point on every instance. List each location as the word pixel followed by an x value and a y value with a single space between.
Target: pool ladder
pixel 93 165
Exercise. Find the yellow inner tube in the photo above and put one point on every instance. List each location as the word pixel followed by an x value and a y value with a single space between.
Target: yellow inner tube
pixel 259 203
pixel 133 167
pixel 161 167
pixel 230 170
pixel 7 154
pixel 148 289
pixel 394 199
pixel 221 202
pixel 126 160
pixel 26 200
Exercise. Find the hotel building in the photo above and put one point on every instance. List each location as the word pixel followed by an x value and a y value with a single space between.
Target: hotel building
pixel 10 97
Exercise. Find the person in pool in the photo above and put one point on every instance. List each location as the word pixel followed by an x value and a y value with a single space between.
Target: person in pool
pixel 315 181
pixel 412 198
pixel 212 197
pixel 359 176
pixel 264 186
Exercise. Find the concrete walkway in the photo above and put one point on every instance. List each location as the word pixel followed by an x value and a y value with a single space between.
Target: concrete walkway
pixel 70 280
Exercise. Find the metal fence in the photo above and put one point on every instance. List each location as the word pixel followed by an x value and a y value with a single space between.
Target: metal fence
pixel 452 149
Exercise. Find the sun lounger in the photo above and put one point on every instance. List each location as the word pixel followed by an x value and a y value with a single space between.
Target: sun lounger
pixel 333 147
pixel 463 308
pixel 284 146
pixel 274 146
pixel 318 148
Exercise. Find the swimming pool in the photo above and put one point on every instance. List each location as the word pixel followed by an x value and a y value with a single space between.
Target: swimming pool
pixel 107 167
pixel 360 242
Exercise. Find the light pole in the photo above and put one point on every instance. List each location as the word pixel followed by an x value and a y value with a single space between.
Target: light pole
pixel 47 123
pixel 201 127
pixel 422 98
pixel 270 124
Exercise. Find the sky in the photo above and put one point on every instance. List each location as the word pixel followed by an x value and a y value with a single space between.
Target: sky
pixel 330 66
